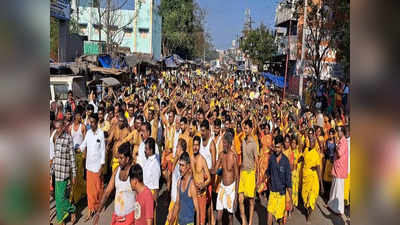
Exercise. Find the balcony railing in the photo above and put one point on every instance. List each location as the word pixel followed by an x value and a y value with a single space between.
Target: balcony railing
pixel 283 14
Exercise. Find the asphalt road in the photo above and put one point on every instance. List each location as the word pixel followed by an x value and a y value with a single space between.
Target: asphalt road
pixel 320 216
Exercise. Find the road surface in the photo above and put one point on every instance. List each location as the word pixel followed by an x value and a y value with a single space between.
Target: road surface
pixel 320 216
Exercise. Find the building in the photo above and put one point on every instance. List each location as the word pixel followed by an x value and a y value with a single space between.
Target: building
pixel 137 23
pixel 329 67
pixel 285 38
pixel 147 29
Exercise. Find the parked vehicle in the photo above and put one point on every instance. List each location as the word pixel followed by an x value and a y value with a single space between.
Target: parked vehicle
pixel 61 84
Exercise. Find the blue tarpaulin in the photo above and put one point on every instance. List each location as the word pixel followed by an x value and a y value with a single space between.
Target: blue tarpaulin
pixel 105 61
pixel 276 80
pixel 169 62
pixel 173 61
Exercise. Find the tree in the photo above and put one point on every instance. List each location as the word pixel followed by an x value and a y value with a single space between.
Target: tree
pixel 258 45
pixel 53 38
pixel 321 33
pixel 183 30
pixel 341 14
pixel 112 22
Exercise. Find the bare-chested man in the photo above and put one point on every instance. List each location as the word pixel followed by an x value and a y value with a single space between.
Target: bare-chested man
pixel 201 176
pixel 117 136
pixel 230 179
pixel 207 150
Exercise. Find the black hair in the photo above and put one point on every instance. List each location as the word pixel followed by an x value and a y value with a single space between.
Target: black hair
pixel 185 157
pixel 201 111
pixel 136 172
pixel 126 150
pixel 217 122
pixel 90 107
pixel 70 92
pixel 68 109
pixel 205 124
pixel 139 117
pixel 248 123
pixel 79 109
pixel 197 138
pixel 182 143
pixel 152 144
pixel 228 137
pixel 228 118
pixel 231 130
pixel 110 109
pixel 130 106
pixel 194 122
pixel 100 109
pixel 148 126
pixel 184 120
pixel 278 139
pixel 95 116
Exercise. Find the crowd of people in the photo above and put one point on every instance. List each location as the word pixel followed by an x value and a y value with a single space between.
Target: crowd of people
pixel 213 141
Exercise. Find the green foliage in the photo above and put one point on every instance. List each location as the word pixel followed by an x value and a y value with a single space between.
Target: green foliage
pixel 53 38
pixel 183 30
pixel 342 42
pixel 329 28
pixel 259 45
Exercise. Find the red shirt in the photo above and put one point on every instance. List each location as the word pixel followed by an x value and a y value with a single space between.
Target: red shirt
pixel 340 164
pixel 146 202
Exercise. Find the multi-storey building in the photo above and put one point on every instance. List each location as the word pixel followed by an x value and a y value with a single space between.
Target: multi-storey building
pixel 139 18
pixel 285 37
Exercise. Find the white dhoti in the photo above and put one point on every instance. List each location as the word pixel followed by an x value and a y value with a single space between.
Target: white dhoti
pixel 226 197
pixel 336 197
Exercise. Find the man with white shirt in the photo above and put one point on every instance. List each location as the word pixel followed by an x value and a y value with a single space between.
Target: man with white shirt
pixel 151 167
pixel 131 119
pixel 94 149
pixel 145 131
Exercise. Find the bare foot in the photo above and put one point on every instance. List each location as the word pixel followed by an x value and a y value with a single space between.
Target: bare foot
pixel 88 216
pixel 73 218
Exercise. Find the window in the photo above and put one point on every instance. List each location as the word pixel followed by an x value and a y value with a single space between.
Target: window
pixel 61 91
pixel 143 32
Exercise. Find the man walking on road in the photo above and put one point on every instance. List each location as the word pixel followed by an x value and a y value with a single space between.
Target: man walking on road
pixel 339 173
pixel 186 199
pixel 227 198
pixel 201 178
pixel 248 170
pixel 125 200
pixel 151 169
pixel 279 178
pixel 95 158
pixel 144 212
pixel 63 162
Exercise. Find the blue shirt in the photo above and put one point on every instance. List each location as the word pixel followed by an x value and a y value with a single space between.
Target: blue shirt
pixel 280 174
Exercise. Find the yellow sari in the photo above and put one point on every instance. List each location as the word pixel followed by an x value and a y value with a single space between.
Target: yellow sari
pixel 310 188
pixel 296 176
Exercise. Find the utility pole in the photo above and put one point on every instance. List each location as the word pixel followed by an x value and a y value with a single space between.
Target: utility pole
pixel 303 51
pixel 287 58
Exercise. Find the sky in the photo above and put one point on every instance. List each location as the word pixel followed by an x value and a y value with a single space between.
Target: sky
pixel 225 18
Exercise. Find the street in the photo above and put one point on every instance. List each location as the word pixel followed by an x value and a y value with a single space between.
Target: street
pixel 320 216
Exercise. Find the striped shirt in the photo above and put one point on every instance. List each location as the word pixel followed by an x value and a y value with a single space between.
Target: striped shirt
pixel 64 157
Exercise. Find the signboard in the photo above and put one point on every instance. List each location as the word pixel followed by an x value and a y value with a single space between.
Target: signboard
pixel 60 9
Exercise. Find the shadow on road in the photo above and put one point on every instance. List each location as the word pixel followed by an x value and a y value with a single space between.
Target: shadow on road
pixel 337 220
